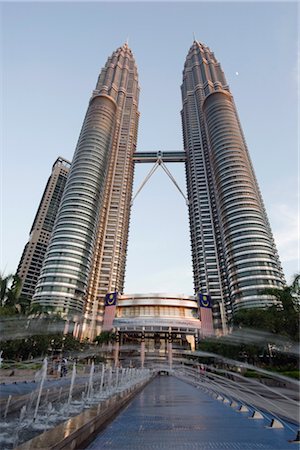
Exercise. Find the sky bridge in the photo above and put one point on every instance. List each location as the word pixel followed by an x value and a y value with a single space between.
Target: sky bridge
pixel 159 159
pixel 152 157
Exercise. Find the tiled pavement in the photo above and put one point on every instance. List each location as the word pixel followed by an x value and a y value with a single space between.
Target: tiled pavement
pixel 170 414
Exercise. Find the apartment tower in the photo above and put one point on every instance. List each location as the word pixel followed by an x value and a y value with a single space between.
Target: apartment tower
pixel 87 251
pixel 233 251
pixel 30 265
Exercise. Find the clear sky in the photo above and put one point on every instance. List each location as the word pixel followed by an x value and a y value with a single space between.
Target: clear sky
pixel 52 54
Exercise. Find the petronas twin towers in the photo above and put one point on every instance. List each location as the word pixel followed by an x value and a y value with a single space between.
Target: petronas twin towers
pixel 233 251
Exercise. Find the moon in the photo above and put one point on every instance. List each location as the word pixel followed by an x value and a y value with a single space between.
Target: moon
pixel 237 73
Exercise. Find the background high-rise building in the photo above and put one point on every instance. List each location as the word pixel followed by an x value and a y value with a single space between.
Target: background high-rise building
pixel 34 252
pixel 87 251
pixel 233 250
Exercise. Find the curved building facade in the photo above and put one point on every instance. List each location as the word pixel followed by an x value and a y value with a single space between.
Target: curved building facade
pixel 64 277
pixel 234 255
pixel 119 80
pixel 157 312
pixel 155 328
pixel 86 253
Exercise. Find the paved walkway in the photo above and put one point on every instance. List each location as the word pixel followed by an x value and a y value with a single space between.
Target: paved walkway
pixel 170 414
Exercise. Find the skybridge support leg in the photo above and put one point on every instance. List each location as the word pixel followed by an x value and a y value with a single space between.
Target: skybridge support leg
pixel 158 163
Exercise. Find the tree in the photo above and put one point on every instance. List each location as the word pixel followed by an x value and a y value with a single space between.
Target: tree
pixel 41 311
pixel 4 285
pixel 13 292
pixel 10 295
pixel 105 337
pixel 289 296
pixel 282 318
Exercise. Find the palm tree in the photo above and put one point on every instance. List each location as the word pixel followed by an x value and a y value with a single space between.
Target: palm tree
pixel 295 287
pixel 14 291
pixel 289 296
pixel 45 312
pixel 10 294
pixel 4 286
pixel 289 300
pixel 281 319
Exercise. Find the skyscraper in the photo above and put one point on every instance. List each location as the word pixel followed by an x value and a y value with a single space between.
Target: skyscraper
pixel 118 79
pixel 87 251
pixel 34 252
pixel 233 250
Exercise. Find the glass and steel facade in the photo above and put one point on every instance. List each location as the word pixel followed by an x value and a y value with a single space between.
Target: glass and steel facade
pixel 65 273
pixel 86 255
pixel 119 80
pixel 157 312
pixel 30 265
pixel 233 250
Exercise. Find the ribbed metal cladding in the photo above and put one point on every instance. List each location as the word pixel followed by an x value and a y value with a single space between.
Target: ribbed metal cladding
pixel 202 75
pixel 64 276
pixel 250 254
pixel 233 250
pixel 118 79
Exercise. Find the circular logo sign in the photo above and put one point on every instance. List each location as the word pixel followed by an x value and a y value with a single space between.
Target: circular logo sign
pixel 110 300
pixel 205 301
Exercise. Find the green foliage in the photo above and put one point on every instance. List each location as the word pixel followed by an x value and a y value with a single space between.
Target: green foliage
pixel 38 345
pixel 67 342
pixel 4 286
pixel 239 352
pixel 105 337
pixel 282 319
pixel 288 373
pixel 251 374
pixel 10 296
pixel 7 311
pixel 292 374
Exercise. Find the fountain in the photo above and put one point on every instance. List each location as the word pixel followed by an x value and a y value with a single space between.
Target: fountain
pixel 38 414
pixel 59 395
pixel 90 385
pixel 48 413
pixel 19 425
pixel 30 401
pixel 71 384
pixel 43 378
pixel 7 406
pixel 46 397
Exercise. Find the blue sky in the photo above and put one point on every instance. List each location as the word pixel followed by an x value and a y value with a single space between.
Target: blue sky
pixel 52 54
